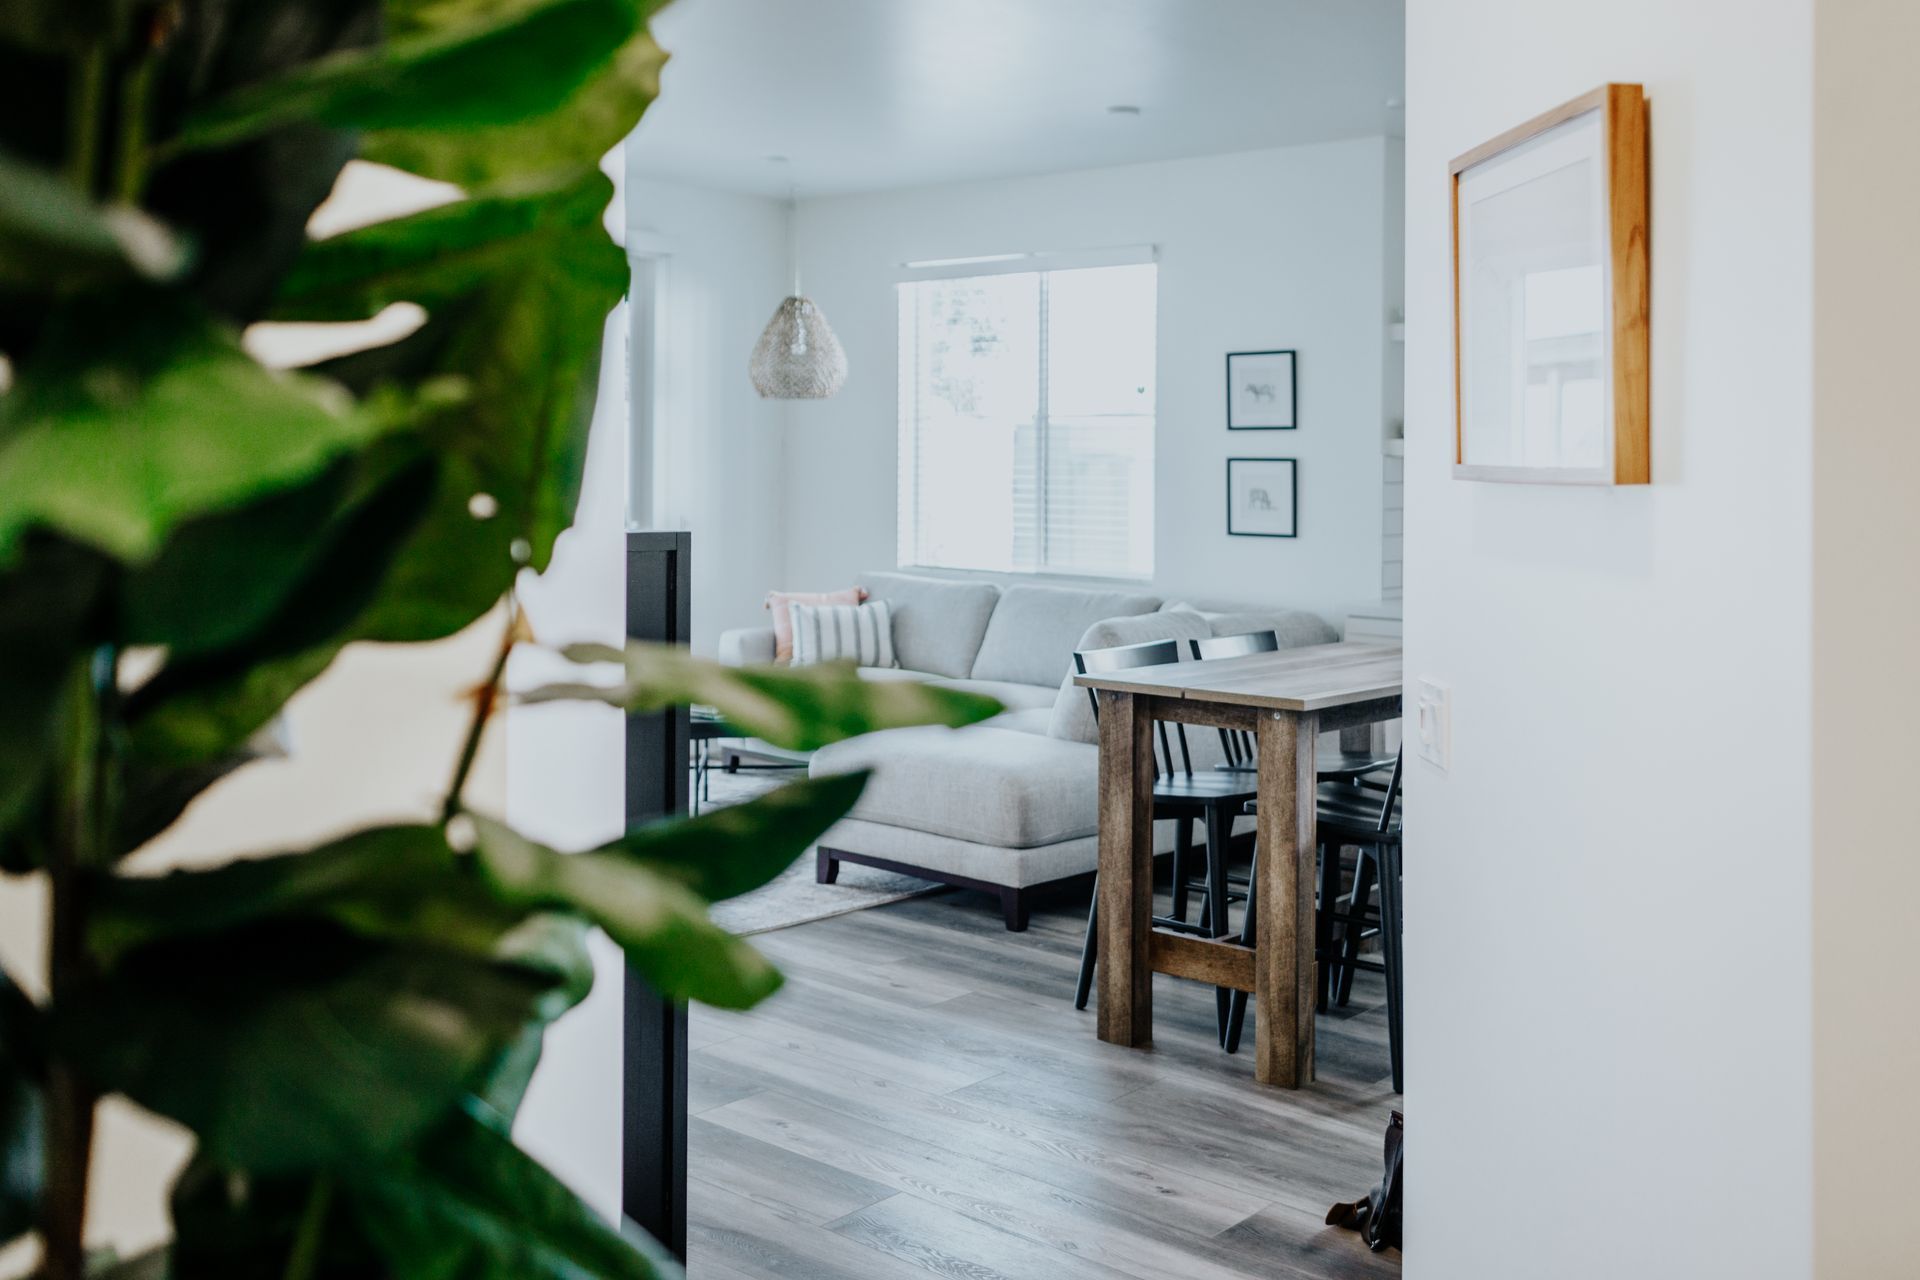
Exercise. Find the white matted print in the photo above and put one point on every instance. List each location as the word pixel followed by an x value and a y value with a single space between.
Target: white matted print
pixel 1263 497
pixel 1262 391
pixel 1550 297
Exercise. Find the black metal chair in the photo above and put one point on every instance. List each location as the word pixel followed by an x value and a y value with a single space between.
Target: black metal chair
pixel 1238 744
pixel 1212 798
pixel 1363 813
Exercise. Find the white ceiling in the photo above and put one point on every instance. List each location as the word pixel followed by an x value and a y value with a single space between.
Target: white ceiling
pixel 869 94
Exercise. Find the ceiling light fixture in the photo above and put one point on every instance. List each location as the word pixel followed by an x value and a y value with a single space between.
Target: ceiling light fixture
pixel 798 357
pixel 1123 109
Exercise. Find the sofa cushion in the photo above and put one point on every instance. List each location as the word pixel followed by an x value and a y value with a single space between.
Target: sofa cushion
pixel 1034 630
pixel 777 603
pixel 992 786
pixel 1012 696
pixel 861 633
pixel 894 673
pixel 742 646
pixel 1032 720
pixel 937 622
pixel 1296 627
pixel 1072 710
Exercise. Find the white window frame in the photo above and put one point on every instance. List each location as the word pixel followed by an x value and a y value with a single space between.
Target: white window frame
pixel 906 520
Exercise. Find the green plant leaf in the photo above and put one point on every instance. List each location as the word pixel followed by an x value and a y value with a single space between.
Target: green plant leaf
pixel 153 795
pixel 470 1205
pixel 50 603
pixel 800 708
pixel 552 944
pixel 52 237
pixel 294 1043
pixel 21 1123
pixel 139 414
pixel 245 208
pixel 502 63
pixel 289 570
pixel 390 883
pixel 253 604
pixel 241 1225
pixel 60 25
pixel 590 123
pixel 442 256
pixel 659 922
pixel 207 724
pixel 155 1264
pixel 739 847
pixel 518 290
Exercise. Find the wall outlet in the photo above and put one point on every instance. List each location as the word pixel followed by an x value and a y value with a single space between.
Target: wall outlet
pixel 1433 722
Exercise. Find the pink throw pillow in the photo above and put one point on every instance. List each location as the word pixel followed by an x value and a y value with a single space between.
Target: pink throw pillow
pixel 777 602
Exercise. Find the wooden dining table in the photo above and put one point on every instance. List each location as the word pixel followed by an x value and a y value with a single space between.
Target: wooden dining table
pixel 1286 699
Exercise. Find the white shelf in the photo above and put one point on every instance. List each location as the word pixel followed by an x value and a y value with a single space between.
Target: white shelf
pixel 1394 448
pixel 1397 332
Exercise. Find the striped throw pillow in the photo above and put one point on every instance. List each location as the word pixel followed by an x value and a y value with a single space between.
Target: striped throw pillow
pixel 861 633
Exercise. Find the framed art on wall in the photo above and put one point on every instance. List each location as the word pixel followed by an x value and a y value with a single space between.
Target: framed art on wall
pixel 1550 297
pixel 1262 391
pixel 1263 497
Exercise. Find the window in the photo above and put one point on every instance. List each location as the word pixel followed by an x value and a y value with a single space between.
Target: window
pixel 1026 420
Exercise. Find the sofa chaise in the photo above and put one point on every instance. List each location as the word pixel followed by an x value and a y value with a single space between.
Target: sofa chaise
pixel 1010 805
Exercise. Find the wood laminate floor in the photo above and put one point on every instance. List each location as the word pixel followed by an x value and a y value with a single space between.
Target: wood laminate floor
pixel 922 1097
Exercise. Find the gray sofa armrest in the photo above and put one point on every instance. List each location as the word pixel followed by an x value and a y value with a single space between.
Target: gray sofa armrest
pixel 745 646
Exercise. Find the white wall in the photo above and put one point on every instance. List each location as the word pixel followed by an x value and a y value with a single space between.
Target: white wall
pixel 1608 937
pixel 721 448
pixel 715 469
pixel 1262 249
pixel 565 784
pixel 1866 542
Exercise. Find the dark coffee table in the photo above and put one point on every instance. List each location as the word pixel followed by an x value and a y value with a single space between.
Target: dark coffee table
pixel 738 751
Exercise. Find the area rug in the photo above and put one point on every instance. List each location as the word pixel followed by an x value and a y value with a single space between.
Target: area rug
pixel 793 897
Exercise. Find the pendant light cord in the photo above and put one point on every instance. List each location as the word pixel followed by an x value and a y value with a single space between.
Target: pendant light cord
pixel 793 233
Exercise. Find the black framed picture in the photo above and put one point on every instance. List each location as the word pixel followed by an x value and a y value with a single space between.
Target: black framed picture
pixel 1263 497
pixel 1263 391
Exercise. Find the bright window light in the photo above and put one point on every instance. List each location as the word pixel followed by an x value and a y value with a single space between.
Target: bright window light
pixel 1026 421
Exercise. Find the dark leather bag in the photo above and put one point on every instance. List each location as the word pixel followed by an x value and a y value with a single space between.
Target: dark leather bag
pixel 1377 1218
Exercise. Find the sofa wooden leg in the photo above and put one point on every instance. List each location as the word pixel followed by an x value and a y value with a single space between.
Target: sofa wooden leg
pixel 826 867
pixel 1013 905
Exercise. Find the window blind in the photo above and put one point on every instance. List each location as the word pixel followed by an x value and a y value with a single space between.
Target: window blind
pixel 1027 420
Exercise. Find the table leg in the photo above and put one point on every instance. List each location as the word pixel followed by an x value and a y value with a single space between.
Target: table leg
pixel 1125 972
pixel 1283 996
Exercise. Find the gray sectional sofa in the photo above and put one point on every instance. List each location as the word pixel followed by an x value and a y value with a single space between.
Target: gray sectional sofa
pixel 1009 805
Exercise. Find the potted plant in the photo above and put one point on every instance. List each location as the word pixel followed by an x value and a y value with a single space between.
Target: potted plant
pixel 347 1029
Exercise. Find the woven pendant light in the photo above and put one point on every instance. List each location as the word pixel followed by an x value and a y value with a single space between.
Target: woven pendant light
pixel 797 357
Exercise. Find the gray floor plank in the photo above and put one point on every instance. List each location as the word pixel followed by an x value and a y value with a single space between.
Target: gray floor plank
pixel 729 1231
pixel 1137 1182
pixel 775 1178
pixel 712 1083
pixel 929 1238
pixel 922 1098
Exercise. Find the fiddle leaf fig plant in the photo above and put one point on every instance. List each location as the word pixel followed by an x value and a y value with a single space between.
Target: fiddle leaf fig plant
pixel 345 1030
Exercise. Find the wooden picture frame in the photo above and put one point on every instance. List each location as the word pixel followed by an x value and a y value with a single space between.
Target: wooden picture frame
pixel 1263 390
pixel 1550 297
pixel 1263 498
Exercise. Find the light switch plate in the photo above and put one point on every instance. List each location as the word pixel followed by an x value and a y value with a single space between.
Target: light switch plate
pixel 1433 722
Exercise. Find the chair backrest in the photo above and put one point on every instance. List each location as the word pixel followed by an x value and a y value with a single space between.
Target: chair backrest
pixel 1237 743
pixel 1153 653
pixel 1124 657
pixel 1236 646
pixel 1389 793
